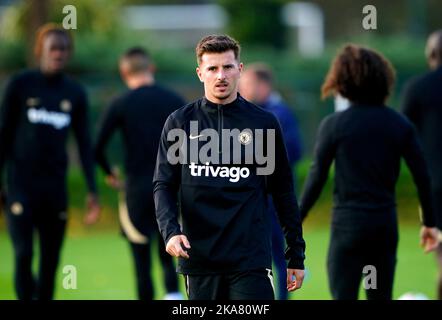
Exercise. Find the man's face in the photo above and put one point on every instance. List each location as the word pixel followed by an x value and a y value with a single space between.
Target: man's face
pixel 253 89
pixel 220 73
pixel 55 53
pixel 248 86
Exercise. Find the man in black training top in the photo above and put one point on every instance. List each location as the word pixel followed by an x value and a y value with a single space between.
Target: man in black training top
pixel 218 159
pixel 423 106
pixel 38 109
pixel 366 142
pixel 139 115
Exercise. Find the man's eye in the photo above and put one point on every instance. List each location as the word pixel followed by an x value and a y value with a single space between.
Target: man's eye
pixel 229 66
pixel 212 69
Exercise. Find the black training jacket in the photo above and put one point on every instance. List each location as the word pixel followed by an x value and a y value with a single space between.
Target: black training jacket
pixel 35 118
pixel 366 143
pixel 423 106
pixel 139 116
pixel 225 218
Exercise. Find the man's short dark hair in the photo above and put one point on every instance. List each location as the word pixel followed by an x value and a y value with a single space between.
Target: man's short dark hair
pixel 217 44
pixel 361 75
pixel 137 59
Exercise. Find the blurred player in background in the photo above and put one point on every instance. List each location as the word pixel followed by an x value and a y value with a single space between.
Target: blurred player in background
pixel 256 85
pixel 366 143
pixel 139 114
pixel 39 108
pixel 423 106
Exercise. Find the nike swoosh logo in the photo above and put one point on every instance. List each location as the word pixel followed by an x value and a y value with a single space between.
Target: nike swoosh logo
pixel 195 137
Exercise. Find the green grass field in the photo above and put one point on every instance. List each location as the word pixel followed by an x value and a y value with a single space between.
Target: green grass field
pixel 104 270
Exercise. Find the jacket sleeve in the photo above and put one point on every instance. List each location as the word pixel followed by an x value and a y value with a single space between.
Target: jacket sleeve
pixel 109 123
pixel 9 114
pixel 413 155
pixel 280 186
pixel 410 104
pixel 166 182
pixel 324 153
pixel 80 126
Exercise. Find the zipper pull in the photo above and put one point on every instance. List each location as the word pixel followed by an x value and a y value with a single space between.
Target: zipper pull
pixel 220 129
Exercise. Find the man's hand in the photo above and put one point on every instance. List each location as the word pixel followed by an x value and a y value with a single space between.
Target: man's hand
pixel 294 279
pixel 113 180
pixel 429 239
pixel 93 209
pixel 174 247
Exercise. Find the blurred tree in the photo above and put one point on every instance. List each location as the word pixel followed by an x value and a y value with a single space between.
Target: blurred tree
pixel 416 17
pixel 35 14
pixel 256 22
pixel 99 18
pixel 165 2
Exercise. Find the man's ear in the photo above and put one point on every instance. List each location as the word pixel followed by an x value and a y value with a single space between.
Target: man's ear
pixel 123 74
pixel 198 72
pixel 241 67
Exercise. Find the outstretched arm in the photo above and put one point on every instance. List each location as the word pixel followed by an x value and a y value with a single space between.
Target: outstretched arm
pixel 166 182
pixel 9 114
pixel 413 155
pixel 110 122
pixel 324 154
pixel 80 125
pixel 280 186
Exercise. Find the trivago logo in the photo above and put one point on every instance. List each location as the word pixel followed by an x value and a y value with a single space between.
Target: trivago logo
pixel 233 173
pixel 58 120
pixel 253 148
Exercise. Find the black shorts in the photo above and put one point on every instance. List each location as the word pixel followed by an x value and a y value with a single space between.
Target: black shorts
pixel 243 285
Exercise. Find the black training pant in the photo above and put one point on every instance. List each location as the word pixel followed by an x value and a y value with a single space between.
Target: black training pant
pixel 50 225
pixel 142 259
pixel 244 285
pixel 141 210
pixel 351 250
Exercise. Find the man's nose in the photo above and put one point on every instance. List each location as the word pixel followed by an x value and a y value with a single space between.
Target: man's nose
pixel 58 52
pixel 221 75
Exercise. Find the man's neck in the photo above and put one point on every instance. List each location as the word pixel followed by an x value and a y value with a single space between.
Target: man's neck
pixel 222 102
pixel 49 73
pixel 135 82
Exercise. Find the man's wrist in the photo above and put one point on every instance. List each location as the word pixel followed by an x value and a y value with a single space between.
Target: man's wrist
pixel 295 264
pixel 173 234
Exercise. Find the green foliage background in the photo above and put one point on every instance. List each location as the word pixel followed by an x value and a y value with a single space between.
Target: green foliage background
pixel 101 255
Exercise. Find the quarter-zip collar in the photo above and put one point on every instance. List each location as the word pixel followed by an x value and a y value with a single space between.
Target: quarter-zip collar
pixel 219 109
pixel 51 79
pixel 210 106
